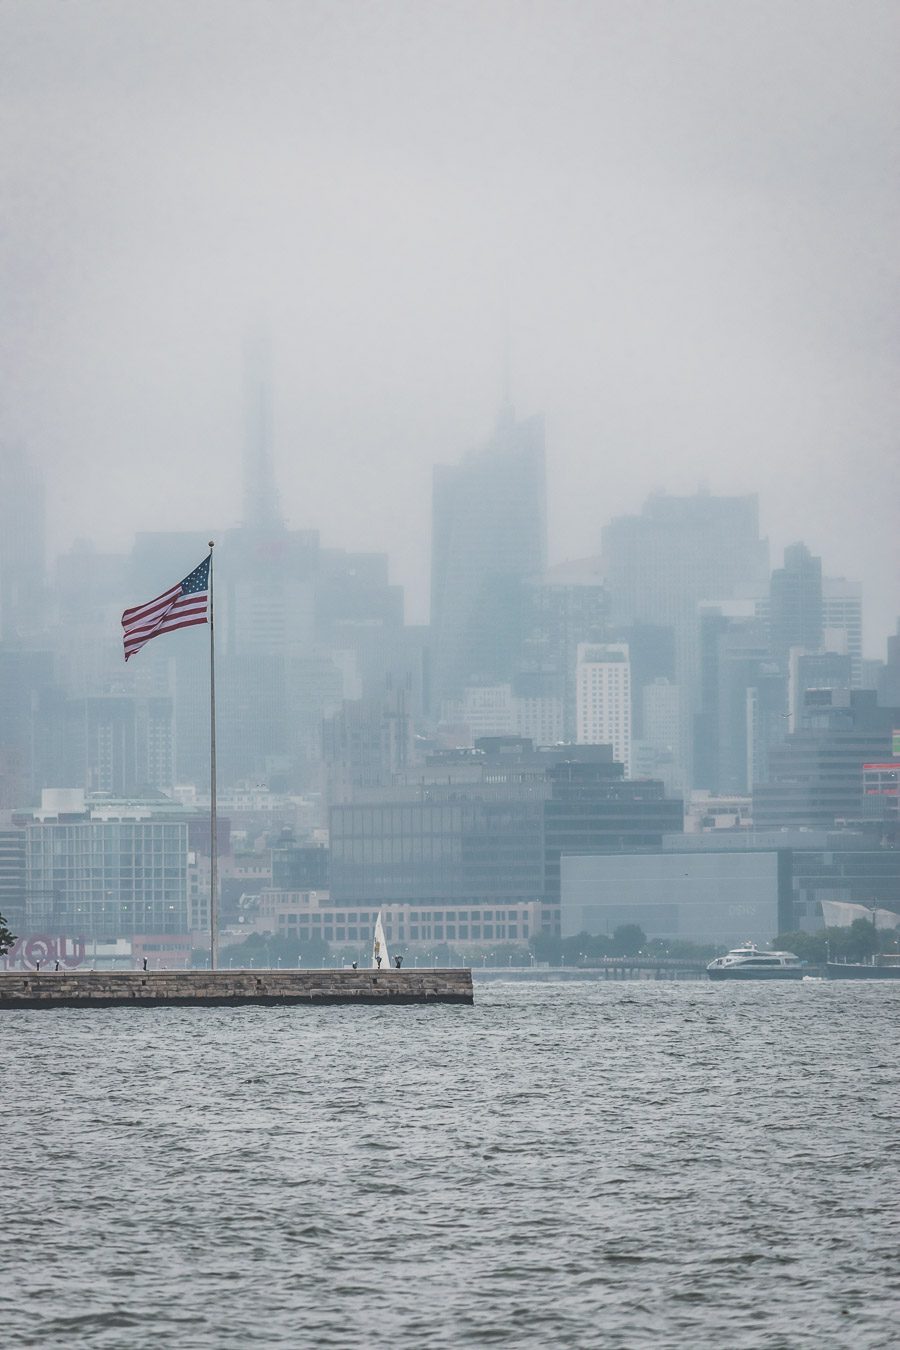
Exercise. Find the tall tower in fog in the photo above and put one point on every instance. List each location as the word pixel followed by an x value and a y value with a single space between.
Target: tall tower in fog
pixel 488 535
pixel 260 492
pixel 680 551
pixel 795 604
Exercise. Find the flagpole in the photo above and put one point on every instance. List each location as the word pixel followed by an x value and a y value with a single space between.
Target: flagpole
pixel 213 852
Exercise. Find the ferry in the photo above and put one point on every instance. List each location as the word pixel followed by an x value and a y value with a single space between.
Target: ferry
pixel 749 963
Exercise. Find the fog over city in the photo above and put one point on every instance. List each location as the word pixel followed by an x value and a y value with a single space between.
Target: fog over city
pixel 450 673
pixel 676 225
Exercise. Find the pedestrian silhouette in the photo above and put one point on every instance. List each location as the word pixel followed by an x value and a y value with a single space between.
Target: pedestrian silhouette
pixel 398 961
pixel 145 963
pixel 355 965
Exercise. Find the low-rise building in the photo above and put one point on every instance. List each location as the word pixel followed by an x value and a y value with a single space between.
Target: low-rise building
pixel 725 887
pixel 722 898
pixel 307 915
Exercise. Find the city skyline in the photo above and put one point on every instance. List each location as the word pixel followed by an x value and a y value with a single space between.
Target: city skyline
pixel 678 223
pixel 513 387
pixel 873 639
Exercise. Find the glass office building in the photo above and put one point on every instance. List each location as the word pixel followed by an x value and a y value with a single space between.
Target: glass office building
pixel 494 828
pixel 105 879
pixel 447 846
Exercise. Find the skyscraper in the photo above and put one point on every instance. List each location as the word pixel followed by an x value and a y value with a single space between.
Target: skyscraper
pixel 488 536
pixel 568 605
pixel 842 622
pixel 677 552
pixel 603 699
pixel 795 604
pixel 732 728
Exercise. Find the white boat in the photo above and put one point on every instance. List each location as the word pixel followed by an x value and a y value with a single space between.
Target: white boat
pixel 749 963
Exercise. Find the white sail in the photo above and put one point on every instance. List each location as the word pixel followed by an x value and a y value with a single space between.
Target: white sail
pixel 379 945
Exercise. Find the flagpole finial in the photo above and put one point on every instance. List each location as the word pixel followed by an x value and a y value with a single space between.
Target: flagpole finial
pixel 212 543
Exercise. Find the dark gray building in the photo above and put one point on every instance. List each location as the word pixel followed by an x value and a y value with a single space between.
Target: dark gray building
pixel 816 776
pixel 816 676
pixel 795 603
pixel 491 826
pixel 488 537
pixel 591 808
pixel 299 867
pixel 742 702
pixel 450 844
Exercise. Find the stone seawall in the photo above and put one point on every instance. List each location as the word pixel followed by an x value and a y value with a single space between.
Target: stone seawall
pixel 204 988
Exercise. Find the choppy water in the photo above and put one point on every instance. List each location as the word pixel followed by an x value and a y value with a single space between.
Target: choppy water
pixel 573 1165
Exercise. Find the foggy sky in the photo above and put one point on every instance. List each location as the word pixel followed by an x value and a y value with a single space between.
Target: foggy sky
pixel 685 214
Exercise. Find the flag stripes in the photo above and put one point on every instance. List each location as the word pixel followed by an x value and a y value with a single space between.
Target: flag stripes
pixel 181 606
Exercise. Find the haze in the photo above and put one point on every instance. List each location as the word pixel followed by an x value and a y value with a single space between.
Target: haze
pixel 680 219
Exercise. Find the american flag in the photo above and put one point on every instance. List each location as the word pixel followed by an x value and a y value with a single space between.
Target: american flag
pixel 181 606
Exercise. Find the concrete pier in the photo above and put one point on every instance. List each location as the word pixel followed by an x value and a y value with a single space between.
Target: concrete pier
pixel 225 988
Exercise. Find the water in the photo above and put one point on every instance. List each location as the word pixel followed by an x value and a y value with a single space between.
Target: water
pixel 597 1165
